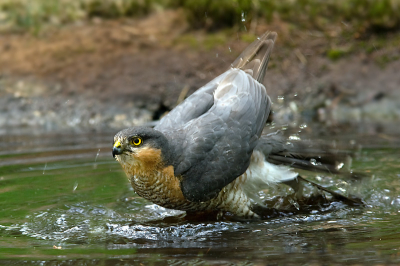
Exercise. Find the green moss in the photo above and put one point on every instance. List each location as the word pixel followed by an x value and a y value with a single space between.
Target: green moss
pixel 189 40
pixel 36 14
pixel 249 38
pixel 213 40
pixel 335 54
pixel 207 42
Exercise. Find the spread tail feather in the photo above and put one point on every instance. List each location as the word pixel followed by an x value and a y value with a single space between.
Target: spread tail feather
pixel 254 59
pixel 337 196
pixel 306 155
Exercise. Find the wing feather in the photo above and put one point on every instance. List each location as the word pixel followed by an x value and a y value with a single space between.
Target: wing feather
pixel 220 142
pixel 214 131
pixel 194 106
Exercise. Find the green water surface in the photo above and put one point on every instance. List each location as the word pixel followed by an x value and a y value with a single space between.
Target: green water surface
pixel 65 201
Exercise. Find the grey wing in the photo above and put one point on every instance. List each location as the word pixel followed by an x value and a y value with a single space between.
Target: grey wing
pixel 253 60
pixel 216 147
pixel 194 106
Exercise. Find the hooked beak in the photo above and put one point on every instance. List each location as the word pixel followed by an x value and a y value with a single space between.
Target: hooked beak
pixel 117 148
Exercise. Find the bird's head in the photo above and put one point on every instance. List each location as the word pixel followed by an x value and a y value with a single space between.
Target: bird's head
pixel 141 147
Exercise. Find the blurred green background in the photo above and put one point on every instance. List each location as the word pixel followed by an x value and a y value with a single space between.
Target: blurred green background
pixel 366 16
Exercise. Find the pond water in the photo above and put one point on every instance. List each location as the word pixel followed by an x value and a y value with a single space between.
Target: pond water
pixel 65 201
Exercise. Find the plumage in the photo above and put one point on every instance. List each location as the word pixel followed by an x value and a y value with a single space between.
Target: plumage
pixel 208 154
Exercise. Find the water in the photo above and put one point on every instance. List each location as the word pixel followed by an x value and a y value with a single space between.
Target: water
pixel 65 201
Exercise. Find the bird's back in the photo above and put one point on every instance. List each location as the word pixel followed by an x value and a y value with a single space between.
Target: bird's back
pixel 253 60
pixel 215 130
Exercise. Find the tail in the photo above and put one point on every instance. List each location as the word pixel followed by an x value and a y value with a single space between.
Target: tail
pixel 254 59
pixel 307 155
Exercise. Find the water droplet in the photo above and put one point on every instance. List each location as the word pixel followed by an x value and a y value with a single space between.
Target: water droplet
pixel 97 155
pixel 303 126
pixel 44 169
pixel 75 186
pixel 293 106
pixel 294 203
pixel 294 137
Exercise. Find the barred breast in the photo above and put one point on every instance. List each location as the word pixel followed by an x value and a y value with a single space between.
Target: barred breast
pixel 163 189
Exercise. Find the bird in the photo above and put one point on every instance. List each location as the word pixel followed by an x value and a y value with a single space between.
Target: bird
pixel 208 154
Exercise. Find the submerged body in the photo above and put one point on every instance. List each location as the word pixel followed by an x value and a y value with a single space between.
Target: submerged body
pixel 208 153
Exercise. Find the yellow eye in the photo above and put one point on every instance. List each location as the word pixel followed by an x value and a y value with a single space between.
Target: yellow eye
pixel 136 141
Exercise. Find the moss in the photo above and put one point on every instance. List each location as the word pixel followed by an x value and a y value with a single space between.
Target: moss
pixel 249 38
pixel 36 14
pixel 207 42
pixel 214 40
pixel 189 40
pixel 335 54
